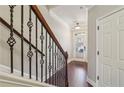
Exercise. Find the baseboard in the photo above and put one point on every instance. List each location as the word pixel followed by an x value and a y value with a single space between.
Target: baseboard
pixel 76 59
pixel 93 83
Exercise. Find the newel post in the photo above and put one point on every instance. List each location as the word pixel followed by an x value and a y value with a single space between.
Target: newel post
pixel 66 67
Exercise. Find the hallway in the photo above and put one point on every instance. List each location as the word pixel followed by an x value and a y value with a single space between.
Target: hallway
pixel 77 74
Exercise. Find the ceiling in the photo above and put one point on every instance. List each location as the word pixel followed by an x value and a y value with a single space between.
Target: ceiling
pixel 71 14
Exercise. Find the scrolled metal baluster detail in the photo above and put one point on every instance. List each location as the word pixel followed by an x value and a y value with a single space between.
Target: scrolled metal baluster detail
pixel 41 62
pixel 41 37
pixel 30 24
pixel 30 53
pixel 11 41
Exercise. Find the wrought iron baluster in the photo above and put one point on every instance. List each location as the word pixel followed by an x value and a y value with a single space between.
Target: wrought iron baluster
pixel 57 67
pixel 36 50
pixel 55 64
pixel 64 69
pixel 22 44
pixel 30 53
pixel 11 41
pixel 46 58
pixel 52 62
pixel 42 61
pixel 50 66
pixel 60 67
pixel 61 64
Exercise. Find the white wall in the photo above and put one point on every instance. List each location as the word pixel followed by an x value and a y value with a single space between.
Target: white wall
pixel 93 14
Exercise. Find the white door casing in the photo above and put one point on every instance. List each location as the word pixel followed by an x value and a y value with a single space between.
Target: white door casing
pixel 110 39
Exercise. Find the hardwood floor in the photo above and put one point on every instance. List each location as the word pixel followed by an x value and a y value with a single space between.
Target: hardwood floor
pixel 77 74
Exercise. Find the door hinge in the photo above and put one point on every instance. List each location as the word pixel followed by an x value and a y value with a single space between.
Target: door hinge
pixel 97 52
pixel 97 77
pixel 97 27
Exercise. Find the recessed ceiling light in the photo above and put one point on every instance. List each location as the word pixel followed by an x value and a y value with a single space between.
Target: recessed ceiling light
pixel 81 7
pixel 77 26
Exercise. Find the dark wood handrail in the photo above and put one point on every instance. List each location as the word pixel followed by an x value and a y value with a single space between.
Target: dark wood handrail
pixel 48 29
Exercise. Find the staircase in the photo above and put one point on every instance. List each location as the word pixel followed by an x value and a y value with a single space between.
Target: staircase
pixel 30 53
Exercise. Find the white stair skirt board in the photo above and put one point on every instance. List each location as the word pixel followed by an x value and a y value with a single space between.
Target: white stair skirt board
pixel 15 79
pixel 9 80
pixel 6 69
pixel 76 59
pixel 91 82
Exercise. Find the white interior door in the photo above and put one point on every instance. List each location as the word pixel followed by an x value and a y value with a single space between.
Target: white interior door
pixel 111 50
